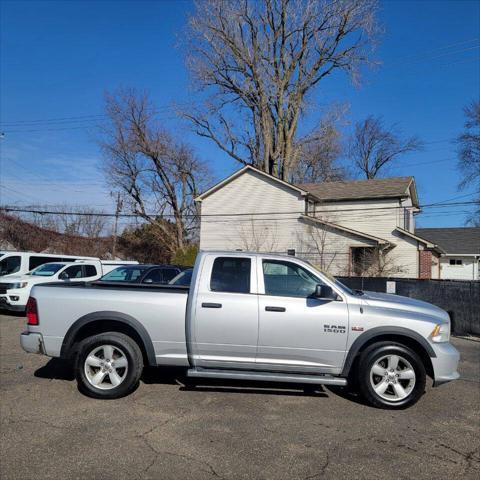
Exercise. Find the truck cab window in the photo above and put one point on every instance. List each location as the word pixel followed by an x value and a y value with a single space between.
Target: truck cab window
pixel 287 279
pixel 90 270
pixel 231 274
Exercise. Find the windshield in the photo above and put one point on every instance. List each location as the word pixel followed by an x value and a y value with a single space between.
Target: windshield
pixel 47 269
pixel 124 274
pixel 183 278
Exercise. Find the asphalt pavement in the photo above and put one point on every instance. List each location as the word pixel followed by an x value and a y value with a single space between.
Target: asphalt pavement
pixel 226 430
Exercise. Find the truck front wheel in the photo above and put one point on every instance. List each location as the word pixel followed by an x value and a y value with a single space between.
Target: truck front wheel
pixel 391 375
pixel 108 365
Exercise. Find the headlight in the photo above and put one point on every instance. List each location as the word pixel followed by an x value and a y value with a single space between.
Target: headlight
pixel 441 333
pixel 18 285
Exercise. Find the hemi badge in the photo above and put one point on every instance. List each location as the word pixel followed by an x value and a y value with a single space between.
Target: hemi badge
pixel 357 329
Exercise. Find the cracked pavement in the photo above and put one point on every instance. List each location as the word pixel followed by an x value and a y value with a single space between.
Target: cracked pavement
pixel 226 430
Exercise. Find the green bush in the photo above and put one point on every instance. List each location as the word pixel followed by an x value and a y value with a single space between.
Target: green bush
pixel 186 257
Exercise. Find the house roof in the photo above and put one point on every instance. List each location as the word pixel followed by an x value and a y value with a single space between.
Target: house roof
pixel 395 187
pixel 426 242
pixel 459 240
pixel 378 240
pixel 236 174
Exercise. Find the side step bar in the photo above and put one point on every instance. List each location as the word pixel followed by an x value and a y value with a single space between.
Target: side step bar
pixel 266 376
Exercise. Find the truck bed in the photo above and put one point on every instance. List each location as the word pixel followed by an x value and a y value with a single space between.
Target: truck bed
pixel 161 309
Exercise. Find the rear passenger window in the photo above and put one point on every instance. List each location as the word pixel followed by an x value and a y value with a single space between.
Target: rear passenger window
pixel 75 271
pixel 35 262
pixel 90 270
pixel 154 276
pixel 231 275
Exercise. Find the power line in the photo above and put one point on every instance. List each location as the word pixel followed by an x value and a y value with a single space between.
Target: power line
pixel 251 214
pixel 446 47
pixel 74 119
pixel 420 60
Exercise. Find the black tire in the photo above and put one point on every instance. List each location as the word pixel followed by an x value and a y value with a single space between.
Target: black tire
pixel 375 353
pixel 131 375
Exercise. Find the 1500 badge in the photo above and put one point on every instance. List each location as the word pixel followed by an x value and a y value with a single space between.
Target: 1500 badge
pixel 334 329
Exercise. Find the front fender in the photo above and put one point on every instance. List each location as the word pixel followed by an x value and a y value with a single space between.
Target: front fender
pixel 372 333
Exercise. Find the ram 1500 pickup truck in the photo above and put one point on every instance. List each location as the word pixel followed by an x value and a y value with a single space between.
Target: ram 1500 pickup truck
pixel 245 316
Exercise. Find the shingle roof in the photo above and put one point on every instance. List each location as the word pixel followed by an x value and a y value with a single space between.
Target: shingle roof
pixel 453 240
pixel 394 187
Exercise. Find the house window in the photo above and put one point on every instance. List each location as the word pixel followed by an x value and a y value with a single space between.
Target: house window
pixel 406 219
pixel 363 260
pixel 456 261
pixel 309 207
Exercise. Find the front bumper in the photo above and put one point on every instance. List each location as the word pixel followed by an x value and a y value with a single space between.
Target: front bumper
pixel 5 305
pixel 32 342
pixel 445 364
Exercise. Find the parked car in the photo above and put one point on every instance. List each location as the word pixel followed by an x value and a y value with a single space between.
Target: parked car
pixel 183 278
pixel 20 263
pixel 249 317
pixel 150 274
pixel 15 289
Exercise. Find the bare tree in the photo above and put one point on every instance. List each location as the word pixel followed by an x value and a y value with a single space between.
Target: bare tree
pixel 257 62
pixel 256 236
pixel 322 246
pixel 374 146
pixel 377 262
pixel 158 176
pixel 469 155
pixel 319 155
pixel 86 221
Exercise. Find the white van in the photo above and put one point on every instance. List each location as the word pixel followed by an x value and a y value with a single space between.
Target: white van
pixel 20 263
pixel 15 289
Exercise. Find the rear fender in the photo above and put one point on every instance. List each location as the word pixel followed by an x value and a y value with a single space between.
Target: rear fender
pixel 109 316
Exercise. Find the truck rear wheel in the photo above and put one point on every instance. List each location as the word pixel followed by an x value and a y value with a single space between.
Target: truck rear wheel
pixel 108 365
pixel 391 376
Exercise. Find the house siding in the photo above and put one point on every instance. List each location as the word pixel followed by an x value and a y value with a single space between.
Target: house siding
pixel 469 270
pixel 253 193
pixel 227 224
pixel 379 218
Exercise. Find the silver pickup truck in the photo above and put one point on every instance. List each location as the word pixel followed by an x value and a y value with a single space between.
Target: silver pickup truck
pixel 245 316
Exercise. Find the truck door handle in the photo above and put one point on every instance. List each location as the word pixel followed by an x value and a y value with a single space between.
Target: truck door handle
pixel 275 309
pixel 211 305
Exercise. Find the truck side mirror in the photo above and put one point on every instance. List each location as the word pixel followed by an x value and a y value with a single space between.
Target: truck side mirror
pixel 324 292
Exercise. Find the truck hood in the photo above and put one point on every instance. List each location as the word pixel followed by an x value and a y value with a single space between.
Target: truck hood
pixel 26 278
pixel 397 302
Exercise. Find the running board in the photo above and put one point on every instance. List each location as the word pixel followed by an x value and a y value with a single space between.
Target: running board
pixel 266 376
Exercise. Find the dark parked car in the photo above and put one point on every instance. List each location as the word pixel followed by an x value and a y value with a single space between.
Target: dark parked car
pixel 183 278
pixel 149 274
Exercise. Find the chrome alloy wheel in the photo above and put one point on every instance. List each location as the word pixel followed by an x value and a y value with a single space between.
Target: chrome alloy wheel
pixel 392 378
pixel 106 367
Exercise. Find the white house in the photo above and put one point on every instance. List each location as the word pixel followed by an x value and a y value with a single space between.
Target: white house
pixel 347 228
pixel 462 251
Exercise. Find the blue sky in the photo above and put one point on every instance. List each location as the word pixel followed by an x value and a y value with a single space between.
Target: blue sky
pixel 58 59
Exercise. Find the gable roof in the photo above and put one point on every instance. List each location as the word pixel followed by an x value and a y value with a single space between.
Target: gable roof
pixel 236 174
pixel 427 243
pixel 395 187
pixel 378 240
pixel 459 240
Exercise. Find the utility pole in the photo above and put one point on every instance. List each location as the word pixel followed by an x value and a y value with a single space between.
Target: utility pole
pixel 118 209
